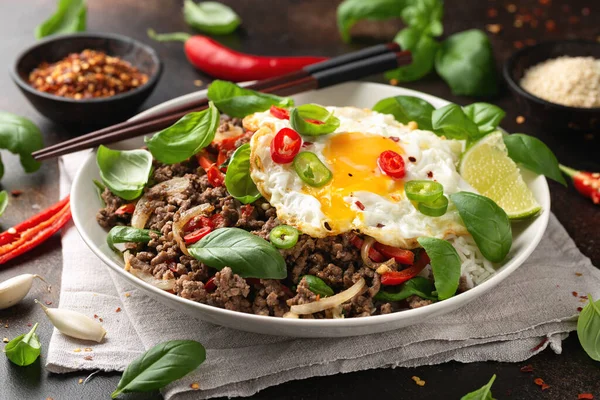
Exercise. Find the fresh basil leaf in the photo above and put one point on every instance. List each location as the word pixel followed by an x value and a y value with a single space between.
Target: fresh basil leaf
pixel 246 254
pixel 210 17
pixel 445 264
pixel 486 116
pixel 406 109
pixel 24 349
pixel 466 62
pixel 69 18
pixel 127 234
pixel 534 155
pixel 484 393
pixel 3 201
pixel 126 172
pixel 588 328
pixel 162 364
pixel 236 101
pixel 318 286
pixel 186 137
pixel 20 136
pixel 352 11
pixel 486 222
pixel 300 119
pixel 452 122
pixel 423 49
pixel 237 179
pixel 424 15
pixel 417 286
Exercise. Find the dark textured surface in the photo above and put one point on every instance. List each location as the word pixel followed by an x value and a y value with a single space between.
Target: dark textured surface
pixel 294 27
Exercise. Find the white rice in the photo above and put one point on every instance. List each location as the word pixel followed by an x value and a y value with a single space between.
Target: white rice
pixel 475 268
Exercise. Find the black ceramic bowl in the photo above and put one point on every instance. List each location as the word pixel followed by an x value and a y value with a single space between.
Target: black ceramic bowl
pixel 87 113
pixel 551 116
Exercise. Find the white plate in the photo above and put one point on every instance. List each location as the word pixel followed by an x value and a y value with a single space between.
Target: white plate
pixel 85 204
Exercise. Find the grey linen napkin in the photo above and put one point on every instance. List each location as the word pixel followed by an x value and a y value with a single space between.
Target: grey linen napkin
pixel 534 305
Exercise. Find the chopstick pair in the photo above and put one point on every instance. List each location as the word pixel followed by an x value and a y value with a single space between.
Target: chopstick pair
pixel 346 67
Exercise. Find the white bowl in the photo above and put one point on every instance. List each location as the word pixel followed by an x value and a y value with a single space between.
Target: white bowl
pixel 85 204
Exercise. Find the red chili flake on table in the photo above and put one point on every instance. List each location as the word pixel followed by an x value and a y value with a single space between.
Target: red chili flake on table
pixel 492 12
pixel 550 25
pixel 538 381
pixel 545 386
pixel 518 44
pixel 360 205
pixel 395 138
pixel 539 346
pixel 527 368
pixel 579 309
pixel 575 294
pixel 578 273
pixel 118 309
pixel 16 193
pixel 583 297
pixel 585 396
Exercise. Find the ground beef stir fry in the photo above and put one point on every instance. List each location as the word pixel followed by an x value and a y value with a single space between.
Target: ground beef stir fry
pixel 333 259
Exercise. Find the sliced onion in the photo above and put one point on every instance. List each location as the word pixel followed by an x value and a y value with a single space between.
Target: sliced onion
pixel 364 254
pixel 171 187
pixel 290 314
pixel 336 312
pixel 143 208
pixel 163 284
pixel 142 213
pixel 329 302
pixel 186 217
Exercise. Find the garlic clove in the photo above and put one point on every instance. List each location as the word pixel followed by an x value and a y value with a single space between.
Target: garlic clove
pixel 15 289
pixel 74 324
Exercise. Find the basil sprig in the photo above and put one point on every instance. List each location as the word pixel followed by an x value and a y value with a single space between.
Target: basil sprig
pixel 318 286
pixel 236 101
pixel 452 122
pixel 327 122
pixel 445 264
pixel 20 136
pixel 486 222
pixel 3 201
pixel 210 17
pixel 483 393
pixel 486 116
pixel 186 137
pixel 246 254
pixel 162 364
pixel 423 49
pixel 70 17
pixel 127 234
pixel 534 155
pixel 237 180
pixel 588 328
pixel 417 286
pixel 126 172
pixel 406 109
pixel 24 349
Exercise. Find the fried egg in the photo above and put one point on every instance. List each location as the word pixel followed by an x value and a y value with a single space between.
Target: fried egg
pixel 360 196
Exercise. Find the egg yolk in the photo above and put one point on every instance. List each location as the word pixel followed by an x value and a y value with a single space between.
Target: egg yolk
pixel 352 158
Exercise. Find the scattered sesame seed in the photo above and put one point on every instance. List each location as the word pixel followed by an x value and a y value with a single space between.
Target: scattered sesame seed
pixel 520 119
pixel 412 125
pixel 77 350
pixel 494 28
pixel 198 82
pixel 5 340
pixel 195 386
pixel 578 273
pixel 80 381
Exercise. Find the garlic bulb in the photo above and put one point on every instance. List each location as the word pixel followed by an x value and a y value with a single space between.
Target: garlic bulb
pixel 74 324
pixel 15 289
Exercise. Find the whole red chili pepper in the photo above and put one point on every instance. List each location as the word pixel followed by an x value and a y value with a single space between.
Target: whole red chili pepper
pixel 586 183
pixel 222 62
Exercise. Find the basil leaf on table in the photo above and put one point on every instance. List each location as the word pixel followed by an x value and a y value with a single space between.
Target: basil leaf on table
pixel 318 286
pixel 162 364
pixel 246 254
pixel 417 286
pixel 452 122
pixel 483 393
pixel 186 137
pixel 406 109
pixel 127 234
pixel 3 201
pixel 24 349
pixel 486 116
pixel 466 62
pixel 300 118
pixel 20 136
pixel 126 172
pixel 424 15
pixel 210 17
pixel 534 155
pixel 588 328
pixel 445 264
pixel 70 17
pixel 237 179
pixel 486 222
pixel 352 11
pixel 423 49
pixel 236 101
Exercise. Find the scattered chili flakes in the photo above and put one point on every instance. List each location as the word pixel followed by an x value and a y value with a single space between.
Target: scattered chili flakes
pixel 585 396
pixel 518 44
pixel 100 319
pixel 527 368
pixel 578 273
pixel 48 302
pixel 539 345
pixel 88 358
pixel 511 8
pixel 412 159
pixel 579 309
pixel 518 23
pixel 538 381
pixel 492 12
pixel 550 25
pixel 538 12
pixel 118 309
pixel 575 294
pixel 530 42
pixel 95 315
pixel 583 297
pixel 418 381
pixel 544 2
pixel 429 174
pixel 80 381
pixel 534 23
pixel 198 83
pixel 16 193
pixel 520 119
pixel 494 28
pixel 585 11
pixel 394 82
pixel 318 297
pixel 29 324
pixel 77 350
pixel 545 386
pixel 195 386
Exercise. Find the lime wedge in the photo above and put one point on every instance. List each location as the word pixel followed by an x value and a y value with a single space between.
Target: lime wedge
pixel 487 167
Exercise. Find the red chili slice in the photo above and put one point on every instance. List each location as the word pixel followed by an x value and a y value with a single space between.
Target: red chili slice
pixel 222 157
pixel 400 255
pixel 217 220
pixel 195 236
pixel 392 164
pixel 228 143
pixel 285 145
pixel 210 286
pixel 204 160
pixel 126 209
pixel 373 254
pixel 247 210
pixel 398 277
pixel 279 112
pixel 215 177
pixel 197 223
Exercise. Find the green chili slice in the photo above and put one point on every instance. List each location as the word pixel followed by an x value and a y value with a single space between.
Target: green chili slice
pixel 435 208
pixel 311 170
pixel 318 286
pixel 284 236
pixel 423 191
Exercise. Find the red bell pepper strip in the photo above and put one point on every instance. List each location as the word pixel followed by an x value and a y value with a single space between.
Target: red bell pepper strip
pixel 222 62
pixel 397 277
pixel 128 208
pixel 29 234
pixel 195 236
pixel 401 256
pixel 586 183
